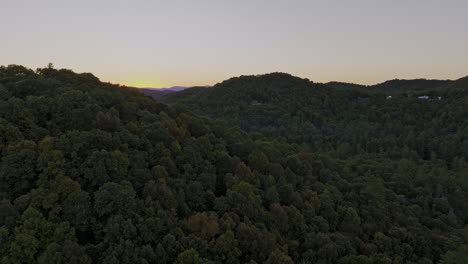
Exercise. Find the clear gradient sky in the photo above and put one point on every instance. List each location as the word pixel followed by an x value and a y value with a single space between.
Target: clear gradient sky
pixel 202 42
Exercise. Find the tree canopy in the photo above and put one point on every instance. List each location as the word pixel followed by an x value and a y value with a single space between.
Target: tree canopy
pixel 92 172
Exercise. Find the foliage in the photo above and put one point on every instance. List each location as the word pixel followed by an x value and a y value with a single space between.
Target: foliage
pixel 96 173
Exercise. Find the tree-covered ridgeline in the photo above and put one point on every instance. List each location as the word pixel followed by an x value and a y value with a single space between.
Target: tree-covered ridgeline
pixel 392 120
pixel 91 172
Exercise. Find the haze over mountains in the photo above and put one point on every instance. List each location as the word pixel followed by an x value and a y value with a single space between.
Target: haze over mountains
pixel 173 88
pixel 270 169
pixel 160 92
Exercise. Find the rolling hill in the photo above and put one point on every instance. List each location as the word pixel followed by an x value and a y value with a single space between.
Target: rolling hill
pixel 340 117
pixel 92 172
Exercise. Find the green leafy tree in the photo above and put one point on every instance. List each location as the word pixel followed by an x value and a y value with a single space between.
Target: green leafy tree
pixel 114 198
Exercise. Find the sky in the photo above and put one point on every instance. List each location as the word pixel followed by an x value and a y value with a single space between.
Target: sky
pixel 202 42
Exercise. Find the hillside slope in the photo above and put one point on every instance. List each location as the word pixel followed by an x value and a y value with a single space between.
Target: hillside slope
pixel 96 173
pixel 155 93
pixel 394 86
pixel 347 120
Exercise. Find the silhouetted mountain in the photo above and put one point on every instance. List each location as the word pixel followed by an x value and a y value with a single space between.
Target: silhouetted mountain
pixel 409 85
pixel 395 86
pixel 173 88
pixel 461 83
pixel 160 92
pixel 155 93
pixel 344 85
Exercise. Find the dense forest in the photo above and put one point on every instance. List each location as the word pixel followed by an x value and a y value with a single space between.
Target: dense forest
pixel 155 93
pixel 387 119
pixel 92 172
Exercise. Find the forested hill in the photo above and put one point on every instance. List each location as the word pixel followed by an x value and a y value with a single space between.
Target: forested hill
pixel 265 103
pixel 96 173
pixel 395 86
pixel 344 119
pixel 155 93
pixel 409 85
pixel 160 92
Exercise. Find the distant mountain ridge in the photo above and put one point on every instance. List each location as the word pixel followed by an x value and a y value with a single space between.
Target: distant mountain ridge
pixel 173 88
pixel 398 85
pixel 160 92
pixel 395 85
pixel 155 93
pixel 390 86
